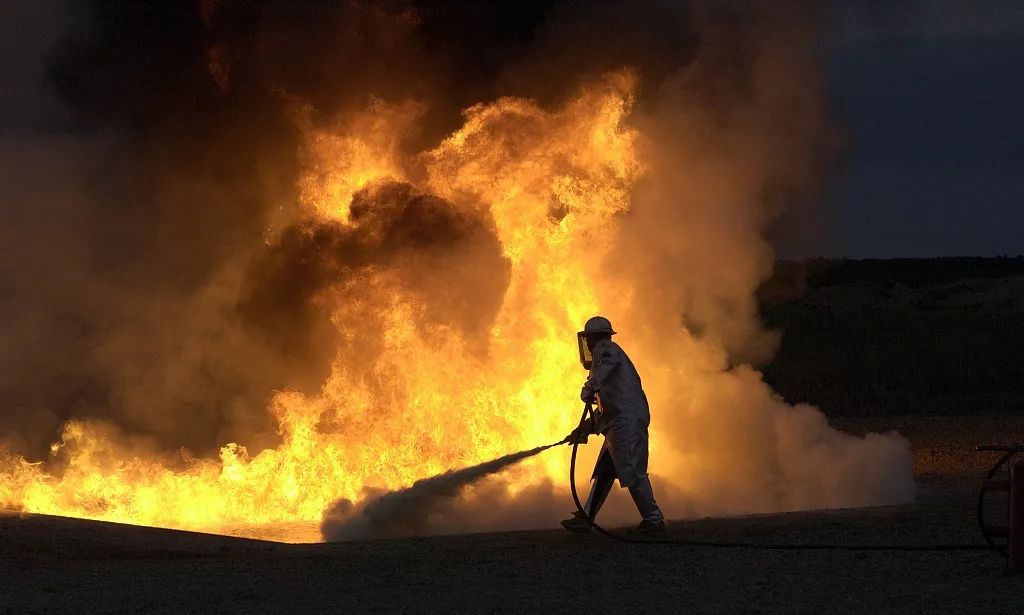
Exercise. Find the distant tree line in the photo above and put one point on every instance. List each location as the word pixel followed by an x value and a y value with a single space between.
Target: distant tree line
pixel 906 336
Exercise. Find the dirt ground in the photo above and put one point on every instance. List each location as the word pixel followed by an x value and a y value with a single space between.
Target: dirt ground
pixel 50 564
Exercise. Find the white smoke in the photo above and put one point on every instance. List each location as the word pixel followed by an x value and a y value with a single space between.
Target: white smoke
pixel 737 139
pixel 409 511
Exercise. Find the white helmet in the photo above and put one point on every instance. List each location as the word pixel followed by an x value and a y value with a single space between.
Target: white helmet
pixel 598 324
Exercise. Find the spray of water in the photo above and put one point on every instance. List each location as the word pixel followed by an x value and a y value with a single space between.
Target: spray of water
pixel 406 512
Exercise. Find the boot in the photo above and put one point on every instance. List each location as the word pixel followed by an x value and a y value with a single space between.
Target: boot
pixel 576 523
pixel 649 527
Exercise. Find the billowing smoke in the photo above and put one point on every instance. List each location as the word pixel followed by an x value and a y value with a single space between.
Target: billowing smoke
pixel 740 138
pixel 168 275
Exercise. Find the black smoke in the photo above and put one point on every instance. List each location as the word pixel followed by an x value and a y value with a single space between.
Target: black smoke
pixel 436 250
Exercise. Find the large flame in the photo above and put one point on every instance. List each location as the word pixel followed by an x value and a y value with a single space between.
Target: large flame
pixel 551 182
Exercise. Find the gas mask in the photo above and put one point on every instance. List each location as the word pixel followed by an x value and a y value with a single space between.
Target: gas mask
pixel 586 357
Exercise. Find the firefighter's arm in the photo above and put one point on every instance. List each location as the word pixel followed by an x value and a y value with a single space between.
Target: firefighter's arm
pixel 605 362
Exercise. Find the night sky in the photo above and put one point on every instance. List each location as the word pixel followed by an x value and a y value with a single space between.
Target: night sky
pixel 931 97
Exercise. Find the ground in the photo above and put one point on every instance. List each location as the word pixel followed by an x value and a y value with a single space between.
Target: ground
pixel 50 564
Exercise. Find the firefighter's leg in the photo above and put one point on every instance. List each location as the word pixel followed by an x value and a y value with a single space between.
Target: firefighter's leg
pixel 643 496
pixel 603 479
pixel 635 472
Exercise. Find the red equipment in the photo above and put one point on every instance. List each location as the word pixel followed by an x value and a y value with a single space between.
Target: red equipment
pixel 1009 538
pixel 1015 540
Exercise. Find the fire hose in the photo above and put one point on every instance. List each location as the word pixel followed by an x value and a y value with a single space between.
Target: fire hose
pixel 588 410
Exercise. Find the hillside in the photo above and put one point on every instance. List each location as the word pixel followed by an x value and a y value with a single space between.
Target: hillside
pixel 896 337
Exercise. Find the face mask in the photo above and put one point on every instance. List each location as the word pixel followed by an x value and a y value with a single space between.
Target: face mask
pixel 586 357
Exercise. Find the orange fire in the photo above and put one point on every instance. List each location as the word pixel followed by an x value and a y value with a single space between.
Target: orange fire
pixel 552 181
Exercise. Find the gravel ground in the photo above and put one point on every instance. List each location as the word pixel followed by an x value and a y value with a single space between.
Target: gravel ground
pixel 50 564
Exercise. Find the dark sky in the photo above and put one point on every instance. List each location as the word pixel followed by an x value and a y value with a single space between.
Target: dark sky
pixel 931 96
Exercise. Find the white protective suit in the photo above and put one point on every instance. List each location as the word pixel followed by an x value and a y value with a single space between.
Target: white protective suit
pixel 623 421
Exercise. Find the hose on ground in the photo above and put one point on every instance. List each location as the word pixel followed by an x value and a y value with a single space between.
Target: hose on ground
pixel 741 545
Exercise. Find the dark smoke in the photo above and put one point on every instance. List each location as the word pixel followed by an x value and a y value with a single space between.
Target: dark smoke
pixel 407 512
pixel 153 150
pixel 392 227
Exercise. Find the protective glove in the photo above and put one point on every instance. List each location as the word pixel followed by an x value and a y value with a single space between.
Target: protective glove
pixel 578 436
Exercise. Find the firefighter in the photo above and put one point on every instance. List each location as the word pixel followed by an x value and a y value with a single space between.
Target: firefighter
pixel 622 417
